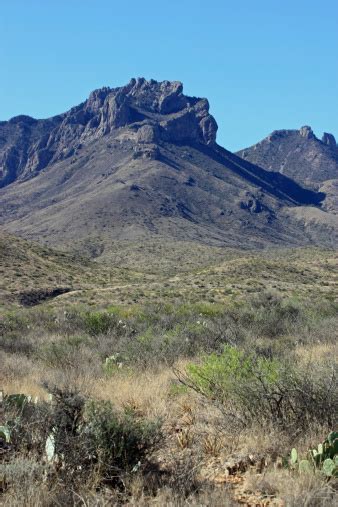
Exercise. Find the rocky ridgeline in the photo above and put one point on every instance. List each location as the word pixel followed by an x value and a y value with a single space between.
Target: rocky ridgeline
pixel 305 132
pixel 157 111
pixel 298 154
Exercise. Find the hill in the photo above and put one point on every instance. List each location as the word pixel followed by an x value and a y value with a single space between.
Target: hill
pixel 159 271
pixel 31 274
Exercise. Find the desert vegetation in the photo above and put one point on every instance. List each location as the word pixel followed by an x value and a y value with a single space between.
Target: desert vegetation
pixel 170 403
pixel 168 307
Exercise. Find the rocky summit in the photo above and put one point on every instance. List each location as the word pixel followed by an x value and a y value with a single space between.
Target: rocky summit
pixel 299 154
pixel 157 112
pixel 142 161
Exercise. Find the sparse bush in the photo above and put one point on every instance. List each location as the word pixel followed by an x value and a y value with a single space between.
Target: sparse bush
pixel 118 442
pixel 252 388
pixel 62 351
pixel 88 437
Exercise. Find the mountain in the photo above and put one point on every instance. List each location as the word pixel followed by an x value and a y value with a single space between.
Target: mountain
pixel 141 161
pixel 300 155
pixel 29 145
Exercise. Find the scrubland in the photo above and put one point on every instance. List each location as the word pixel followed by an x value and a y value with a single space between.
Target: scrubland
pixel 176 387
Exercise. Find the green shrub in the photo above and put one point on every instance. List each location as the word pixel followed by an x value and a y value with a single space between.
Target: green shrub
pixel 220 375
pixel 252 388
pixel 98 322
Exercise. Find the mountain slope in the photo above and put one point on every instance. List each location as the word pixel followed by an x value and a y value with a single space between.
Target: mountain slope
pixel 142 161
pixel 299 155
pixel 29 272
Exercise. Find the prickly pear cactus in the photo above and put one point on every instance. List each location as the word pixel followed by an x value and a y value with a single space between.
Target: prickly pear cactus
pixel 323 459
pixel 329 468
pixel 50 447
pixel 294 456
pixel 331 444
pixel 16 400
pixel 305 466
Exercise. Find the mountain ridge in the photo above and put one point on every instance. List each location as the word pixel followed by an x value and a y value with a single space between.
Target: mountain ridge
pixel 300 155
pixel 142 160
pixel 167 114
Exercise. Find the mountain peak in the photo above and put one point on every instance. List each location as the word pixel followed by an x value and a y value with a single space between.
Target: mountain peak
pixel 140 161
pixel 298 154
pixel 156 111
pixel 179 117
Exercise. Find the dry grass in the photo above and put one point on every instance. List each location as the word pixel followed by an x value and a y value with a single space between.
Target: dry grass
pixel 196 437
pixel 147 393
pixel 294 490
pixel 319 351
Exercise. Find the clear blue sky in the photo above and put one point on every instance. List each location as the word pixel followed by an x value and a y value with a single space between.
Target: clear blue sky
pixel 262 64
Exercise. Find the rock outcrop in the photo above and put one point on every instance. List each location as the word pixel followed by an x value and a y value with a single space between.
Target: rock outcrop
pixel 157 111
pixel 306 132
pixel 329 139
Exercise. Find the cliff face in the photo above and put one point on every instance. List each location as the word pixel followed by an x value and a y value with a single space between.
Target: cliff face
pixel 154 110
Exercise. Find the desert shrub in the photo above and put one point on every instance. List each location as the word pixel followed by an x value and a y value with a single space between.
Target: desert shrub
pixel 87 437
pixel 13 330
pixel 201 309
pixel 12 322
pixel 118 441
pixel 14 367
pixel 219 375
pixel 293 490
pixel 16 344
pixel 97 323
pixel 22 472
pixel 24 480
pixel 162 333
pixel 269 314
pixel 252 388
pixel 29 424
pixel 156 346
pixel 63 351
